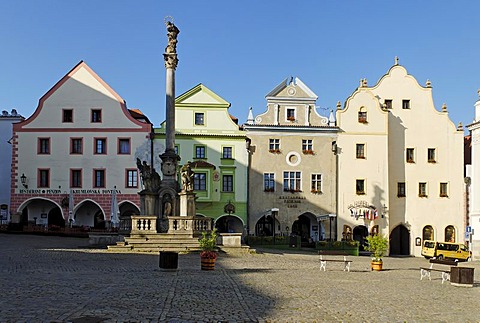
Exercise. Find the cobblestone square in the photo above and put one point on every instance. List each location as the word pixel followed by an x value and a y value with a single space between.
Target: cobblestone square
pixel 58 279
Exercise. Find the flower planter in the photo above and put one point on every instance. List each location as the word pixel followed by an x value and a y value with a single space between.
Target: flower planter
pixel 376 265
pixel 208 263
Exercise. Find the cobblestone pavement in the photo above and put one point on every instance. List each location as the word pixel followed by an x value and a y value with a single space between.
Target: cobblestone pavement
pixel 58 279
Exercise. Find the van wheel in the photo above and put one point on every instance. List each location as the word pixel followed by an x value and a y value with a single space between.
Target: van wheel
pixel 440 257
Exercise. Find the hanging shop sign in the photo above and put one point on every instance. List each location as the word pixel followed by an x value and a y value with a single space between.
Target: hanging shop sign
pixel 363 209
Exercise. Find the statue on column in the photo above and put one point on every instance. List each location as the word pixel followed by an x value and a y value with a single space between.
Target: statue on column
pixel 187 177
pixel 170 55
pixel 150 178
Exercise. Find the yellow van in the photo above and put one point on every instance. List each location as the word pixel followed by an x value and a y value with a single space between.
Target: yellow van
pixel 445 250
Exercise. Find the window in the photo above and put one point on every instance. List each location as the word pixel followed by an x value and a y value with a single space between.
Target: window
pixel 199 151
pixel 76 178
pixel 96 115
pixel 227 152
pixel 227 183
pixel 422 189
pixel 307 145
pixel 362 116
pixel 132 178
pixel 316 183
pixel 405 104
pixel 177 149
pixel 200 181
pixel 67 115
pixel 410 155
pixel 431 155
pixel 292 181
pixel 99 178
pixel 199 118
pixel 360 151
pixel 443 189
pixel 427 233
pixel 124 146
pixel 269 182
pixel 274 145
pixel 388 104
pixel 100 146
pixel 401 189
pixel 450 233
pixel 360 186
pixel 44 178
pixel 43 146
pixel 291 114
pixel 76 146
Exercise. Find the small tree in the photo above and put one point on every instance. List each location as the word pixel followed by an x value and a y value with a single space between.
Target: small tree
pixel 208 243
pixel 378 245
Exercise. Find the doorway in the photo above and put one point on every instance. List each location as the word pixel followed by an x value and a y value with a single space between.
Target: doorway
pixel 400 241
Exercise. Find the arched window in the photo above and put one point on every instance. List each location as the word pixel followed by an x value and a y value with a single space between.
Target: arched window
pixel 450 234
pixel 362 115
pixel 428 233
pixel 347 233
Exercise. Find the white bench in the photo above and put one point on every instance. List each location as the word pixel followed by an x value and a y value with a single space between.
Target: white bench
pixel 427 271
pixel 346 263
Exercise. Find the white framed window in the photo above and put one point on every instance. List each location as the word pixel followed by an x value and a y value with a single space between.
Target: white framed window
pixel 199 118
pixel 410 155
pixel 307 145
pixel 274 145
pixel 316 184
pixel 269 182
pixel 292 181
pixel 431 155
pixel 290 113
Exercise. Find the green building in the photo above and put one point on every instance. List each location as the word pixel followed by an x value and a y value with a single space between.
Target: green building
pixel 209 138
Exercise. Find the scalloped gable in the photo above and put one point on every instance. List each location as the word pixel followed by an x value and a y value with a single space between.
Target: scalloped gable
pixel 305 91
pixel 201 95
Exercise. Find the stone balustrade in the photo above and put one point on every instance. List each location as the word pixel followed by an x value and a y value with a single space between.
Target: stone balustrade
pixel 189 224
pixel 144 224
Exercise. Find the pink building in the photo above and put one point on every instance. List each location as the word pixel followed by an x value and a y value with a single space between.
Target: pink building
pixel 76 149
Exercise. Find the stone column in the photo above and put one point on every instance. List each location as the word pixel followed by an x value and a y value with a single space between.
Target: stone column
pixel 169 157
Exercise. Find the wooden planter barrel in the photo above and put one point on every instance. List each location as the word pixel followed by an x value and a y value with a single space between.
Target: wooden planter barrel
pixel 376 265
pixel 207 264
pixel 462 276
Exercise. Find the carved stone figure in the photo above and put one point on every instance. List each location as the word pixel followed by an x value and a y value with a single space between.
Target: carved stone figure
pixel 167 205
pixel 150 178
pixel 170 55
pixel 187 177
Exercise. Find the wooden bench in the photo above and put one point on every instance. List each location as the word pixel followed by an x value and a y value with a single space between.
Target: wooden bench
pixel 346 263
pixel 426 271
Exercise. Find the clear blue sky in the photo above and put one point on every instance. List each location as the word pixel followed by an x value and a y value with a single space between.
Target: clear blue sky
pixel 240 49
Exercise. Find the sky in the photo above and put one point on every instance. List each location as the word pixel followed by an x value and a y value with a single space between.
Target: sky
pixel 241 50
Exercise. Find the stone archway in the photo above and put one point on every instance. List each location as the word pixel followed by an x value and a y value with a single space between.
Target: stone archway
pixel 89 214
pixel 264 226
pixel 303 227
pixel 229 224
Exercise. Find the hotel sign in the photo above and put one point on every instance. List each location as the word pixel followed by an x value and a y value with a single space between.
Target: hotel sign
pixel 292 201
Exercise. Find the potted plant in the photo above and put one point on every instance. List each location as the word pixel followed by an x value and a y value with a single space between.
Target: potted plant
pixel 377 245
pixel 208 255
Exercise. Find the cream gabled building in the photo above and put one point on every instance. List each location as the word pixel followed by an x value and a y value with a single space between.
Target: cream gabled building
pixel 292 181
pixel 76 149
pixel 400 165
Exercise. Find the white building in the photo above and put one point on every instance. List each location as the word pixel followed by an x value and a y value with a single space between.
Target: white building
pixel 75 151
pixel 400 165
pixel 6 121
pixel 474 173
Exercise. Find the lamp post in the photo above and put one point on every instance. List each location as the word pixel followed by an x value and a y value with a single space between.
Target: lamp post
pixel 274 213
pixel 23 179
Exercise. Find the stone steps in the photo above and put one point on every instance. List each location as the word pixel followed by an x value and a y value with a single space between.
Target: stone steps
pixel 156 243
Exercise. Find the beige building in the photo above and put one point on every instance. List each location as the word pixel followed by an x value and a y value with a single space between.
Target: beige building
pixel 292 172
pixel 400 165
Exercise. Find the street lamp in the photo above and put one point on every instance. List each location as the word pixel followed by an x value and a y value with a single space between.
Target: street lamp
pixel 23 179
pixel 274 212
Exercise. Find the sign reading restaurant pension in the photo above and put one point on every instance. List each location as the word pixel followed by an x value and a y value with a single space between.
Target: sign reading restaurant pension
pixel 292 201
pixel 49 191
